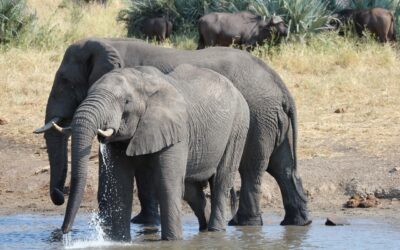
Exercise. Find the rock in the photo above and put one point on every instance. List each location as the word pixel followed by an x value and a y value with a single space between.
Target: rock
pixel 340 110
pixel 43 170
pixel 336 221
pixel 3 121
pixel 354 201
pixel 363 202
pixel 394 170
pixel 388 193
pixel 370 201
pixel 356 187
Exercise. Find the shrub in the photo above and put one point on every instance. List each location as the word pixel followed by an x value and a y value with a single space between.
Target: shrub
pixel 303 17
pixel 365 4
pixel 15 18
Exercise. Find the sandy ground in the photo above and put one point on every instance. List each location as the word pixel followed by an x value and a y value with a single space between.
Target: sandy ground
pixel 329 182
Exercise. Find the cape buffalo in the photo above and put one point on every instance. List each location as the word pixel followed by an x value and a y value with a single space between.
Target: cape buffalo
pixel 378 21
pixel 241 28
pixel 158 27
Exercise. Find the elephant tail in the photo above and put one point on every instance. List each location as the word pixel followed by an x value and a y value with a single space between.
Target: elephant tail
pixel 292 114
pixel 293 120
pixel 234 201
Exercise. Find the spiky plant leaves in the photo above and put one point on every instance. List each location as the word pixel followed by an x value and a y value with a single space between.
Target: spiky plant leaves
pixel 15 18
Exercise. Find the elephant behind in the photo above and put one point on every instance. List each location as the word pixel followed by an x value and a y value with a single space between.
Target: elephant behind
pixel 157 27
pixel 241 28
pixel 191 120
pixel 378 21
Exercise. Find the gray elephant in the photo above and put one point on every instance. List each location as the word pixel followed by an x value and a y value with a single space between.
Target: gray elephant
pixel 378 21
pixel 157 27
pixel 191 120
pixel 242 28
pixel 271 141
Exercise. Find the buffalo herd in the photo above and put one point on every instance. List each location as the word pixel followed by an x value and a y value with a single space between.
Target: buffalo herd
pixel 248 30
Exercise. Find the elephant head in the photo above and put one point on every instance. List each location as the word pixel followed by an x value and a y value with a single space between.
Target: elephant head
pixel 124 105
pixel 84 62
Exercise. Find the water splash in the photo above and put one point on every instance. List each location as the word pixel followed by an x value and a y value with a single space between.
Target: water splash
pixel 95 239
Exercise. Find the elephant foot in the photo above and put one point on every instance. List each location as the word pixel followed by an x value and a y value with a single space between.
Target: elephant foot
pixel 146 219
pixel 214 229
pixel 296 214
pixel 296 217
pixel 296 221
pixel 241 220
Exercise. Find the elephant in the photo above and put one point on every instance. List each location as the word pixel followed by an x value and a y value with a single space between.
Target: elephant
pixel 189 127
pixel 158 27
pixel 241 28
pixel 271 140
pixel 378 21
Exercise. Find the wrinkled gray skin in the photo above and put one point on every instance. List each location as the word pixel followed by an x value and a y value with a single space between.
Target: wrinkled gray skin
pixel 157 27
pixel 241 28
pixel 271 142
pixel 378 21
pixel 192 119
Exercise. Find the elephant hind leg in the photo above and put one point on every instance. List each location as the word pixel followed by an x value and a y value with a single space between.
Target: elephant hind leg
pixel 222 182
pixel 195 197
pixel 252 168
pixel 282 168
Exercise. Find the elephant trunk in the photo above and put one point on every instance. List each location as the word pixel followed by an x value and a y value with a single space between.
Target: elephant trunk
pixel 57 149
pixel 89 117
pixel 57 144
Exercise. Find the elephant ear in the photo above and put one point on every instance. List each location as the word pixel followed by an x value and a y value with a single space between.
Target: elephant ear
pixel 164 121
pixel 101 59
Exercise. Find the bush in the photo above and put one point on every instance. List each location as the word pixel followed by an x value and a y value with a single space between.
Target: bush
pixel 15 18
pixel 303 17
pixel 366 4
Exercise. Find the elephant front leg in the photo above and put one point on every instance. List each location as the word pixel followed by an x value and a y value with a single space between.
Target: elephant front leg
pixel 115 194
pixel 170 168
pixel 222 182
pixel 149 213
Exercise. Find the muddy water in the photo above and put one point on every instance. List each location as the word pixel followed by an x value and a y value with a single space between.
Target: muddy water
pixel 36 231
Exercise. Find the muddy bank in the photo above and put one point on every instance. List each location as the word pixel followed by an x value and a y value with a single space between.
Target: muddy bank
pixel 329 182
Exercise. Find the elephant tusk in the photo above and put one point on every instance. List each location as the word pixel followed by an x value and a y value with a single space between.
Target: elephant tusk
pixel 66 130
pixel 109 132
pixel 47 126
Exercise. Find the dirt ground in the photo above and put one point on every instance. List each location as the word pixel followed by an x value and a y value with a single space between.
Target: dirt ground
pixel 329 182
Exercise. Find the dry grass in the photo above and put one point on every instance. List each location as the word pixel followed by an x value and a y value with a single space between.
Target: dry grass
pixel 360 80
pixel 329 73
pixel 27 73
